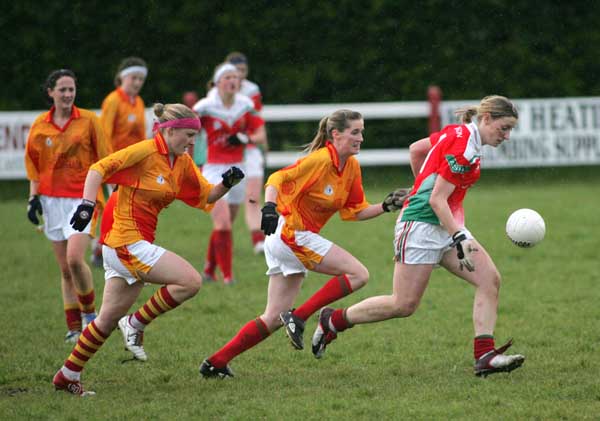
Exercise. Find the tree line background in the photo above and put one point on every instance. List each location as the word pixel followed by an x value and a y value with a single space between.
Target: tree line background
pixel 306 51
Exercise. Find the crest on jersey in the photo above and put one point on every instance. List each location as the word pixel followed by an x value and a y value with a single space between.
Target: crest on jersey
pixel 328 190
pixel 160 179
pixel 217 125
pixel 131 118
pixel 48 141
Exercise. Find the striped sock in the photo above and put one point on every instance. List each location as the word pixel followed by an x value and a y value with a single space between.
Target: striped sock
pixel 159 303
pixel 252 333
pixel 86 301
pixel 72 316
pixel 336 288
pixel 90 341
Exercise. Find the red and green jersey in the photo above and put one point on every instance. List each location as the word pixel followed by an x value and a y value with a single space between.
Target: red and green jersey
pixel 454 155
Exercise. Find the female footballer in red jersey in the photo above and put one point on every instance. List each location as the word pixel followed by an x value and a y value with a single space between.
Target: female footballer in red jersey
pixel 150 174
pixel 307 194
pixel 61 146
pixel 254 157
pixel 230 122
pixel 430 225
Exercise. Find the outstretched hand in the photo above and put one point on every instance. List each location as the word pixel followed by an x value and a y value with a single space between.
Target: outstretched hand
pixel 232 176
pixel 394 200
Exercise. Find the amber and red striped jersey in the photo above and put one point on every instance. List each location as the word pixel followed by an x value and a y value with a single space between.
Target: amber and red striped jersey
pixel 123 119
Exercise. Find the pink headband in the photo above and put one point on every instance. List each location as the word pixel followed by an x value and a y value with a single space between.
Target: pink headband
pixel 180 123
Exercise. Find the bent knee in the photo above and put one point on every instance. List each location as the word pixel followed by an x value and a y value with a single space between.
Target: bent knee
pixel 193 284
pixel 359 277
pixel 405 307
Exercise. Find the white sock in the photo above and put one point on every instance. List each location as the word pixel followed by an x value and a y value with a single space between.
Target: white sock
pixel 70 374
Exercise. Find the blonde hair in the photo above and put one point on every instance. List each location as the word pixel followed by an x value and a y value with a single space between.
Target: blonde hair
pixel 338 121
pixel 497 106
pixel 166 112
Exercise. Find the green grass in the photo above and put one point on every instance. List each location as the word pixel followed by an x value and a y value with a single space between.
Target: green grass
pixel 415 368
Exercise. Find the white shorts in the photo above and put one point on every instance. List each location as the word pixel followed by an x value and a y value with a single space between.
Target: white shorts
pixel 254 162
pixel 282 259
pixel 128 261
pixel 58 211
pixel 421 242
pixel 213 172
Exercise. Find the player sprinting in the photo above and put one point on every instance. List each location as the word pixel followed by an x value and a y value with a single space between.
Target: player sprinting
pixel 62 144
pixel 430 230
pixel 307 194
pixel 151 174
pixel 230 122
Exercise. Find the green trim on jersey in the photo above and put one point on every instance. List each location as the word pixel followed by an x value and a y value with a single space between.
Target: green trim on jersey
pixel 418 208
pixel 455 167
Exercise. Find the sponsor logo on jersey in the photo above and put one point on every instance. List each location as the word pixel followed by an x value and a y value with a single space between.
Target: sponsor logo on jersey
pixel 328 190
pixel 459 131
pixel 131 118
pixel 455 167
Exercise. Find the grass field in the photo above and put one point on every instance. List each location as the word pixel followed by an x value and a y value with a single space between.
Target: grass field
pixel 415 368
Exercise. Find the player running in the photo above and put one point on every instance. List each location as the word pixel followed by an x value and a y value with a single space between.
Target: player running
pixel 431 231
pixel 307 194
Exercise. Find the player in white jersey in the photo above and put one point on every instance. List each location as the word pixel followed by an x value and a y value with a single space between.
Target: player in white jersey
pixel 254 157
pixel 230 123
pixel 431 231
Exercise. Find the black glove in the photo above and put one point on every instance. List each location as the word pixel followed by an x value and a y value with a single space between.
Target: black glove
pixel 464 249
pixel 394 200
pixel 232 176
pixel 270 217
pixel 83 215
pixel 238 139
pixel 34 207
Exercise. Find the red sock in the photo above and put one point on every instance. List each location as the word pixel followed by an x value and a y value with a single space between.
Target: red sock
pixel 257 237
pixel 482 344
pixel 211 262
pixel 339 320
pixel 86 302
pixel 336 288
pixel 223 251
pixel 73 316
pixel 252 333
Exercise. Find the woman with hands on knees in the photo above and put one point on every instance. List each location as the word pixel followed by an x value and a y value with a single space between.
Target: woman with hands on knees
pixel 150 174
pixel 306 195
pixel 431 231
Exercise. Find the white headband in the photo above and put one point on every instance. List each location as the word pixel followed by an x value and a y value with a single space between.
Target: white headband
pixel 221 70
pixel 134 69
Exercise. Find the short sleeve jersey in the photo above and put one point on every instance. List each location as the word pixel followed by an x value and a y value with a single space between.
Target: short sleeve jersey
pixel 148 182
pixel 59 157
pixel 123 119
pixel 220 122
pixel 312 190
pixel 455 156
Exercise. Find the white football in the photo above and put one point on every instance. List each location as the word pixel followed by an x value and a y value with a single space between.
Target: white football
pixel 525 227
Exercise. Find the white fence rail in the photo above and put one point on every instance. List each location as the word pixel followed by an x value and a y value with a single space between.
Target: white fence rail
pixel 551 132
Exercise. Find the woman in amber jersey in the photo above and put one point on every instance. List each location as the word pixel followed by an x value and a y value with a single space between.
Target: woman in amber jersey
pixel 306 195
pixel 151 174
pixel 62 144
